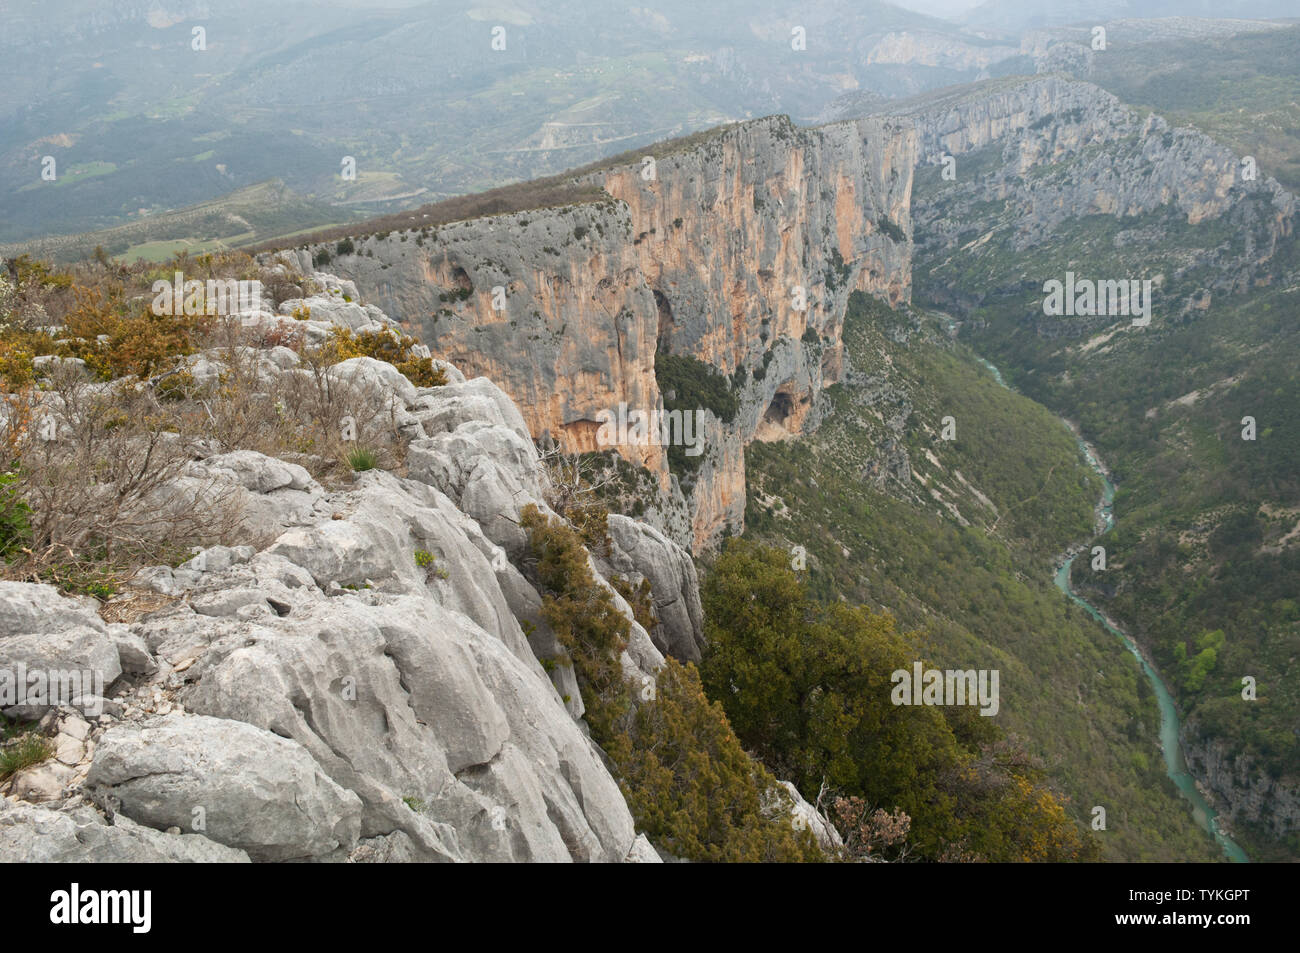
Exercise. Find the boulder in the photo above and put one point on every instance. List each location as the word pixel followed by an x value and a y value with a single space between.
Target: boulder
pixel 53 650
pixel 248 788
pixel 366 372
pixel 258 472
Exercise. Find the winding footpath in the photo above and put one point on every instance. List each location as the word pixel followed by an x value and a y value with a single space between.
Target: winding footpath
pixel 1170 746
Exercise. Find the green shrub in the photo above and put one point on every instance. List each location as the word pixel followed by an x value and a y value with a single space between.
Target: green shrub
pixel 361 459
pixel 15 514
pixel 892 231
pixel 390 346
pixel 118 340
pixel 640 598
pixel 583 617
pixel 29 749
pixel 692 788
pixel 838 273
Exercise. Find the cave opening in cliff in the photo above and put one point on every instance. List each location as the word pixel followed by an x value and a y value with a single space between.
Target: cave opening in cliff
pixel 664 338
pixel 779 411
pixel 784 415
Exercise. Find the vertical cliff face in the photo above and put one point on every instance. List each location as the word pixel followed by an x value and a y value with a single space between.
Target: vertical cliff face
pixel 727 232
pixel 751 244
pixel 739 250
pixel 1246 795
pixel 1033 158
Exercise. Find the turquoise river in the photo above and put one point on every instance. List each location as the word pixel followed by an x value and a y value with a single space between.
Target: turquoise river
pixel 1175 764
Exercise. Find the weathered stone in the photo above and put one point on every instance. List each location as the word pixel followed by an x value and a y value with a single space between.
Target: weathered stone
pixel 257 791
pixel 61 639
pixel 804 816
pixel 639 551
pixel 642 852
pixel 366 372
pixel 258 472
pixel 42 782
pixel 30 834
pixel 132 651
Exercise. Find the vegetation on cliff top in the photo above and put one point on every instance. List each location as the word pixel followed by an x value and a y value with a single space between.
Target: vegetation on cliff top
pixel 103 404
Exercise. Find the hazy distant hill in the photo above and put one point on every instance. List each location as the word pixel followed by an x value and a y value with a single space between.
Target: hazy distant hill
pixel 139 122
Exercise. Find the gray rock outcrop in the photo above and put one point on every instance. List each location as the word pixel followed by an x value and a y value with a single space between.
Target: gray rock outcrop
pixel 243 786
pixel 639 551
pixel 33 835
pixel 354 683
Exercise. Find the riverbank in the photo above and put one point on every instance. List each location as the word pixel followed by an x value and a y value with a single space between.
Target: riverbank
pixel 1170 726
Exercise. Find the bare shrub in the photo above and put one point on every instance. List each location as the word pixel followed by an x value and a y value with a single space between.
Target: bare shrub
pixel 94 464
pixel 872 833
pixel 95 474
pixel 572 486
pixel 311 414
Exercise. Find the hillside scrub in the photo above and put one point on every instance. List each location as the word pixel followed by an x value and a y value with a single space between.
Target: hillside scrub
pixel 1204 536
pixel 105 405
pixel 807 688
pixel 981 594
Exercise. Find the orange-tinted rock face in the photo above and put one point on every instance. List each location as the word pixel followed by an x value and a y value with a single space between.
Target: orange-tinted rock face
pixel 741 252
pixel 762 232
pixel 754 240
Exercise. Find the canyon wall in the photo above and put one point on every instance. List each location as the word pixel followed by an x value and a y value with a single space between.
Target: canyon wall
pixel 1022 179
pixel 1241 791
pixel 1030 157
pixel 738 247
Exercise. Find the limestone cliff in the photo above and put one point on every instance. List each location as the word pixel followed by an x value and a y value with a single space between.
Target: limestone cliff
pixel 942 50
pixel 740 250
pixel 1031 157
pixel 1244 794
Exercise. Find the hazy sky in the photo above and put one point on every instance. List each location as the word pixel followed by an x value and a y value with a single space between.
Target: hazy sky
pixel 938 8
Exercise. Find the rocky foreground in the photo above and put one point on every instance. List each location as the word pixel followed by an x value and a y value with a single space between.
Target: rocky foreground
pixel 328 694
